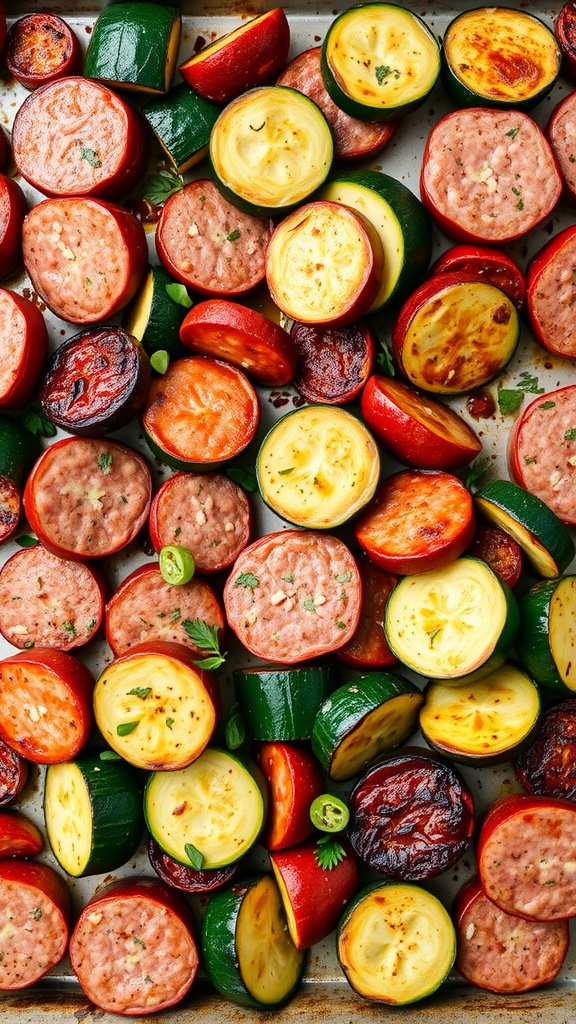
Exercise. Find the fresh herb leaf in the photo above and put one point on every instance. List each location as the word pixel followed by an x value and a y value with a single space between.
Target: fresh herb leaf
pixel 25 541
pixel 234 235
pixel 513 132
pixel 125 728
pixel 157 188
pixel 90 155
pixel 246 579
pixel 109 755
pixel 104 461
pixel 235 730
pixel 328 853
pixel 140 691
pixel 178 293
pixel 510 400
pixel 175 615
pixel 570 434
pixel 477 469
pixel 285 472
pixel 384 360
pixel 383 72
pixel 194 856
pixel 547 405
pixel 242 478
pixel 37 423
pixel 529 383
pixel 206 639
pixel 160 361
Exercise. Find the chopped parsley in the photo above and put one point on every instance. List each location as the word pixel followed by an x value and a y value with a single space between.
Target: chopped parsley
pixel 140 691
pixel 246 579
pixel 234 235
pixel 90 155
pixel 570 434
pixel 104 462
pixel 125 728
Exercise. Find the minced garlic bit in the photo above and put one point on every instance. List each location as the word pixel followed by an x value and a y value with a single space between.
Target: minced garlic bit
pixel 250 617
pixel 470 930
pixel 66 251
pixel 555 478
pixel 278 597
pixel 572 460
pixel 200 517
pixel 95 917
pixel 319 600
pixel 193 230
pixel 229 527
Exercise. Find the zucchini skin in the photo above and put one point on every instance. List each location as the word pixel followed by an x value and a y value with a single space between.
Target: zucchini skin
pixel 182 121
pixel 135 46
pixel 280 703
pixel 115 795
pixel 534 649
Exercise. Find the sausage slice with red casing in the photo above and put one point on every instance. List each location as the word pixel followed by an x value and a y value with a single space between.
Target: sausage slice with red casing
pixel 525 856
pixel 34 922
pixel 48 601
pixel 207 243
pixel 205 512
pixel 542 450
pixel 45 704
pixel 76 137
pixel 86 497
pixel 13 209
pixel 13 773
pixel 294 595
pixel 24 347
pixel 354 139
pixel 41 48
pixel 133 948
pixel 548 765
pixel 501 952
pixel 560 134
pixel 488 175
pixel 86 257
pixel 551 292
pixel 145 608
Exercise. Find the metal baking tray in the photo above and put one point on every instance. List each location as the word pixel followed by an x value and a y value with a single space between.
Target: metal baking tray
pixel 325 991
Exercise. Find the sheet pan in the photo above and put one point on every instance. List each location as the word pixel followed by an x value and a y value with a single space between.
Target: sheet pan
pixel 324 992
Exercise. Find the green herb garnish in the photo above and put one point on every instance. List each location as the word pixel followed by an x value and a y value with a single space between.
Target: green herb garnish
pixel 328 853
pixel 510 400
pixel 243 479
pixel 157 188
pixel 104 461
pixel 140 691
pixel 160 361
pixel 246 579
pixel 125 728
pixel 205 637
pixel 194 856
pixel 178 293
pixel 233 236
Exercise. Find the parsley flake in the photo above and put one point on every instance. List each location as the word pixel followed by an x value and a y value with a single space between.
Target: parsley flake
pixel 104 462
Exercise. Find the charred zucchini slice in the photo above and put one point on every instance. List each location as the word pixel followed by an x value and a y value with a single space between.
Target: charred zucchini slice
pixel 498 57
pixel 396 943
pixel 379 61
pixel 247 951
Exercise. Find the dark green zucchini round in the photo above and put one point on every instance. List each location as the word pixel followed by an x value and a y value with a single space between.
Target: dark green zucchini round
pixel 280 703
pixel 546 642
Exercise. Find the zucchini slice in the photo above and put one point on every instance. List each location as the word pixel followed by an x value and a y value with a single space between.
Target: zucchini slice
pixel 318 466
pixel 498 57
pixel 401 221
pixel 18 450
pixel 451 623
pixel 135 46
pixel 248 954
pixel 396 943
pixel 270 149
pixel 546 642
pixel 208 814
pixel 363 719
pixel 93 814
pixel 280 704
pixel 154 316
pixel 182 121
pixel 379 61
pixel 544 539
pixel 155 708
pixel 487 721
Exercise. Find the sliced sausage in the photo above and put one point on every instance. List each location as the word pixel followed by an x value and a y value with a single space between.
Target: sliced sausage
pixel 75 137
pixel 132 947
pixel 205 512
pixel 13 208
pixel 551 292
pixel 95 382
pixel 488 175
pixel 34 922
pixel 87 497
pixel 24 347
pixel 560 134
pixel 411 816
pixel 145 608
pixel 548 766
pixel 294 595
pixel 353 139
pixel 210 245
pixel 542 450
pixel 368 647
pixel 13 773
pixel 501 952
pixel 45 704
pixel 526 856
pixel 85 257
pixel 333 363
pixel 48 601
pixel 41 48
pixel 184 876
pixel 500 551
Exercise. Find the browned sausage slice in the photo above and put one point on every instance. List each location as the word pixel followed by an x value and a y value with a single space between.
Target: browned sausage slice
pixel 34 921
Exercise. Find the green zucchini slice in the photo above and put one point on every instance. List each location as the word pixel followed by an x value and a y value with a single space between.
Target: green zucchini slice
pixel 182 121
pixel 208 814
pixel 135 46
pixel 248 954
pixel 544 539
pixel 154 316
pixel 396 943
pixel 318 466
pixel 93 814
pixel 487 721
pixel 379 61
pixel 363 719
pixel 547 639
pixel 498 57
pixel 451 623
pixel 155 709
pixel 280 704
pixel 270 149
pixel 400 220
pixel 18 450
